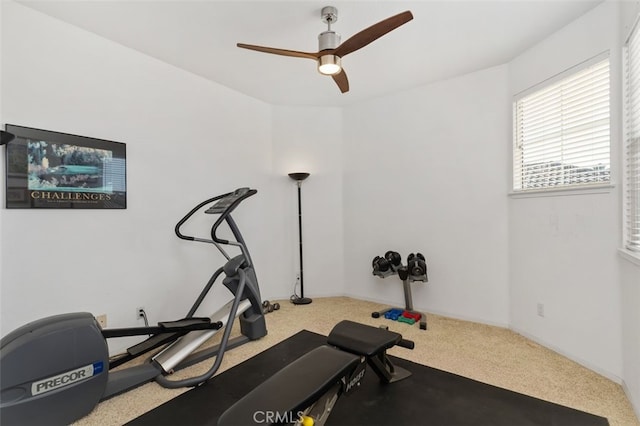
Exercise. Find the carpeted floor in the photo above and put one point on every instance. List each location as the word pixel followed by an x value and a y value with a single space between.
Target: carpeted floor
pixel 491 355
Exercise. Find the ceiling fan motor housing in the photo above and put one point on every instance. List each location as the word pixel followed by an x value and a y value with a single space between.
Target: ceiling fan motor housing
pixel 328 64
pixel 328 40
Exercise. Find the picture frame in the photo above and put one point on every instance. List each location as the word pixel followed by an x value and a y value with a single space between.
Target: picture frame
pixel 47 169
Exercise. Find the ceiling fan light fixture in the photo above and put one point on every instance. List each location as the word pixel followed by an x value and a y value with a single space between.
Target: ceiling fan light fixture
pixel 329 64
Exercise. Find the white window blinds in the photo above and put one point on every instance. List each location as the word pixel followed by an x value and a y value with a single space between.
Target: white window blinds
pixel 632 143
pixel 561 132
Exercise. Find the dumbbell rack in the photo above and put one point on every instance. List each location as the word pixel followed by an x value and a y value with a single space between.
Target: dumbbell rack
pixel 408 298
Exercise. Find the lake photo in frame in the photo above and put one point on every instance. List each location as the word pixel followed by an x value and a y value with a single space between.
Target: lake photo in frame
pixel 47 169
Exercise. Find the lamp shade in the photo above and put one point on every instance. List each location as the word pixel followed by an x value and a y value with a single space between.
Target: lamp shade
pixel 299 176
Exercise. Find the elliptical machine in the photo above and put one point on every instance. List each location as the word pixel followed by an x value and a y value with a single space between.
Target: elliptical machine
pixel 56 369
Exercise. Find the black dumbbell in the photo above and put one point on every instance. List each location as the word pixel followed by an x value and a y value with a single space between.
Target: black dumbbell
pixel 417 264
pixel 380 264
pixel 268 307
pixel 394 258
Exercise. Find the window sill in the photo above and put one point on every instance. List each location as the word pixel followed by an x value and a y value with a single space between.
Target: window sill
pixel 562 192
pixel 630 256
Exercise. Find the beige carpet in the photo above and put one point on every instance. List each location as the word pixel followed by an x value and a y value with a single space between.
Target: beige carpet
pixel 489 354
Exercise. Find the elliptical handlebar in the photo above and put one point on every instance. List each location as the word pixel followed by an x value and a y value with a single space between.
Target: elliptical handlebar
pixel 191 213
pixel 225 206
pixel 226 203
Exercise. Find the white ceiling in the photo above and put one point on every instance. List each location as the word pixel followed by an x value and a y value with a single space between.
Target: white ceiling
pixel 445 39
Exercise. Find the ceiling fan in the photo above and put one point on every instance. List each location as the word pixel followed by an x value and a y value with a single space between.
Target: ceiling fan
pixel 331 52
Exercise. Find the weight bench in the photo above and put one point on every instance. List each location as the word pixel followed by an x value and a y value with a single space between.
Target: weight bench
pixel 320 375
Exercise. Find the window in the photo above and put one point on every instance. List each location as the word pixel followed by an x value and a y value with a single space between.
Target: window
pixel 632 143
pixel 561 131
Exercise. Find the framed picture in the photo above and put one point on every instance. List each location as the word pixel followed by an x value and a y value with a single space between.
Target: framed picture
pixel 48 169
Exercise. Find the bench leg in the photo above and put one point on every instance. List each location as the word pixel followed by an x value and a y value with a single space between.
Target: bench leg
pixel 321 409
pixel 384 368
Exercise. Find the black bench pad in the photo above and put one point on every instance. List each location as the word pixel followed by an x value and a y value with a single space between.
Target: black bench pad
pixel 293 388
pixel 362 339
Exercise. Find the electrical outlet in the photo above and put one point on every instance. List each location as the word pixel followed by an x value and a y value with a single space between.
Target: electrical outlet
pixel 541 309
pixel 102 320
pixel 140 312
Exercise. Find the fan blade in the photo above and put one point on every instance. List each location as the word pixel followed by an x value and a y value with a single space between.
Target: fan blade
pixel 282 52
pixel 341 80
pixel 373 33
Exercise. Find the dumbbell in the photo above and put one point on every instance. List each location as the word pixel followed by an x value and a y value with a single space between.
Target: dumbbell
pixel 393 314
pixel 268 307
pixel 413 315
pixel 394 259
pixel 380 264
pixel 410 321
pixel 417 265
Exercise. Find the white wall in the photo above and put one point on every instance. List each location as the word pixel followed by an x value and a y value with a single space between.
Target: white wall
pixel 630 272
pixel 563 249
pixel 630 283
pixel 310 140
pixel 185 142
pixel 425 172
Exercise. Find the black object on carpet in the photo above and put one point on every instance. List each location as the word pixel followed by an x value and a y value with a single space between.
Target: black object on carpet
pixel 428 397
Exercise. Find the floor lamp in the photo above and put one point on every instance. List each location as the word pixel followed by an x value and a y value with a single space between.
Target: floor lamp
pixel 299 177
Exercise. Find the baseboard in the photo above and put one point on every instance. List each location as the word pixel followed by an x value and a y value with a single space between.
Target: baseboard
pixel 306 294
pixel 431 311
pixel 636 407
pixel 572 357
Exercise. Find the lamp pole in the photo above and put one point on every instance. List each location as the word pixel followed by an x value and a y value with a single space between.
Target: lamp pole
pixel 299 177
